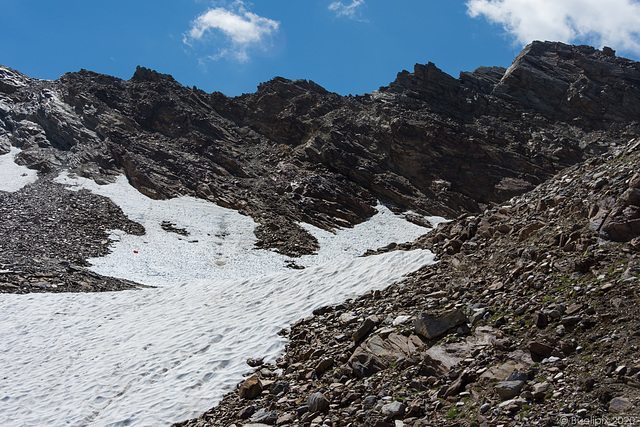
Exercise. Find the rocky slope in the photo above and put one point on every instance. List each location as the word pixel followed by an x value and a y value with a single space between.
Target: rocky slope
pixel 292 151
pixel 530 317
pixel 530 314
pixel 47 233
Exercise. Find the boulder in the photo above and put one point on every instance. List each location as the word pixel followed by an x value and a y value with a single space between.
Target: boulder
pixel 317 402
pixel 377 353
pixel 432 326
pixel 367 326
pixel 393 409
pixel 619 405
pixel 509 389
pixel 250 388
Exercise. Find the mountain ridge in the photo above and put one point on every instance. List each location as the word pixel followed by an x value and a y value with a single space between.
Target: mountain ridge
pixel 294 152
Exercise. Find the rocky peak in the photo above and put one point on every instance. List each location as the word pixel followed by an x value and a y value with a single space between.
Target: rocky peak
pixel 425 78
pixel 573 83
pixel 144 74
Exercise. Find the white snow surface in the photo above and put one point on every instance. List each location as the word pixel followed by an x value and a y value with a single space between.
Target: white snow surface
pixel 156 356
pixel 13 176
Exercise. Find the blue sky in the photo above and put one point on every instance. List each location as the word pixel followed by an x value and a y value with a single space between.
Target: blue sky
pixel 348 47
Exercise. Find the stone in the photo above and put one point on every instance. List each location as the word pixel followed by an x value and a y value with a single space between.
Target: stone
pixel 517 376
pixel 265 417
pixel 540 320
pixel 434 326
pixel 540 390
pixel 347 318
pixel 619 405
pixel 367 326
pixel 377 353
pixel 509 389
pixel 255 362
pixel 323 366
pixel 393 409
pixel 246 412
pixel 285 419
pixel 369 402
pixel 501 372
pixel 317 402
pixel 631 197
pixel 570 321
pixel 477 315
pixel 279 387
pixel 539 350
pixel 250 388
pixel 512 406
pixel 528 230
pixel 457 386
pixel 400 320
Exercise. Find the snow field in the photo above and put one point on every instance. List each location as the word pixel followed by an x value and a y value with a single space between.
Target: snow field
pixel 12 176
pixel 155 356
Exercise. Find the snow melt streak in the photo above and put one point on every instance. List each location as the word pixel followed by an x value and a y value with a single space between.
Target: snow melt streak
pixel 156 356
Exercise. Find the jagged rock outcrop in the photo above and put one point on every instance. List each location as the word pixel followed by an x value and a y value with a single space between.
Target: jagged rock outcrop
pixel 292 151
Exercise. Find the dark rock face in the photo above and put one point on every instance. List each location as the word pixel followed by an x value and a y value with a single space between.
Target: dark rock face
pixel 292 151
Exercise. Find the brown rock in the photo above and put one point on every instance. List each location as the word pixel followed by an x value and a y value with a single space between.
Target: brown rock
pixel 502 372
pixel 255 362
pixel 324 366
pixel 458 385
pixel 631 197
pixel 317 402
pixel 285 419
pixel 528 230
pixel 250 388
pixel 539 349
pixel 540 390
pixel 246 412
pixel 504 228
pixel 378 353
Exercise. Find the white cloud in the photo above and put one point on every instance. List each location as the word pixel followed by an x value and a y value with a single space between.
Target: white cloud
pixel 346 10
pixel 241 29
pixel 614 23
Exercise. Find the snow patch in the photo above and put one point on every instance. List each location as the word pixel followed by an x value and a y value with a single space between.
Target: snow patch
pixel 220 243
pixel 13 176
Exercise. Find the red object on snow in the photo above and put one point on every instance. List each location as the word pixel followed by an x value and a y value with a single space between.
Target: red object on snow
pixel 135 252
